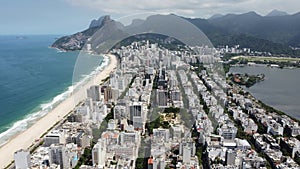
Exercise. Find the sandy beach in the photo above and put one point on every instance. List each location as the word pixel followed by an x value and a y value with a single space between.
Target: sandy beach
pixel 25 139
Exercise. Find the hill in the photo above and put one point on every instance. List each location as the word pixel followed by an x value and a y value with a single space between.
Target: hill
pixel 273 33
pixel 278 29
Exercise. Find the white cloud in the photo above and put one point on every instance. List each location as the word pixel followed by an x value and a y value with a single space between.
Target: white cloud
pixel 196 8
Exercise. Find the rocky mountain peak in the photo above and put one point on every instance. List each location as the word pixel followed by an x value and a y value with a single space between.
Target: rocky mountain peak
pixel 100 22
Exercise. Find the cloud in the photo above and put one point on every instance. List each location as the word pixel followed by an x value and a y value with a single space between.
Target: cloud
pixel 130 6
pixel 197 8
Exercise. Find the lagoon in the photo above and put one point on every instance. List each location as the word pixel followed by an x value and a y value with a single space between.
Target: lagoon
pixel 280 89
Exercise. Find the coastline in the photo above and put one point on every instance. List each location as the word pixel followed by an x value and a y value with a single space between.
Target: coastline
pixel 28 137
pixel 262 100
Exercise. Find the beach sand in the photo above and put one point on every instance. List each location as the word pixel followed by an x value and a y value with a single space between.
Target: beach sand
pixel 25 139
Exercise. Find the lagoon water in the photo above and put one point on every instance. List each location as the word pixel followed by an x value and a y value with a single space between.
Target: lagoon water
pixel 32 78
pixel 280 89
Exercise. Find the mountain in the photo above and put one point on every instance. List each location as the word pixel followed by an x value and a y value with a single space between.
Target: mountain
pixel 106 33
pixel 276 12
pixel 221 37
pixel 99 22
pixel 250 30
pixel 278 29
pixel 295 41
pixel 77 40
pixel 215 16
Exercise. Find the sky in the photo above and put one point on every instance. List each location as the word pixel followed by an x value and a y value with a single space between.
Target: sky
pixel 70 16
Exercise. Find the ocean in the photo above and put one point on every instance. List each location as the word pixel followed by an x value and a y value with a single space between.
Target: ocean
pixel 280 89
pixel 33 79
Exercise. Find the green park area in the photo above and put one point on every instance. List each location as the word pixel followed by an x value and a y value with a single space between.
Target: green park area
pixel 264 58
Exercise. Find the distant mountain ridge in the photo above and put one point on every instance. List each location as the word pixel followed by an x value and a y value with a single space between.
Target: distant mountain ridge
pixel 273 33
pixel 276 12
pixel 279 29
pixel 78 40
pixel 216 16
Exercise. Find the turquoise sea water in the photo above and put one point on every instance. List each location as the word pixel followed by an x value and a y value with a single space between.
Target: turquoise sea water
pixel 31 75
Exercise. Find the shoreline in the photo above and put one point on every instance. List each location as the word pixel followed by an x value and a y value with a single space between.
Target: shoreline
pixel 264 105
pixel 263 102
pixel 27 138
pixel 24 122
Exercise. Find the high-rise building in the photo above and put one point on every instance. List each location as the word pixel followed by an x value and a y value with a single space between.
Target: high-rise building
pixel 161 134
pixel 136 116
pixel 82 139
pixel 99 154
pixel 112 80
pixel 85 112
pixel 186 156
pixel 162 98
pixel 121 84
pixel 120 112
pixel 190 144
pixel 70 155
pixel 127 138
pixel 57 155
pixel 111 124
pixel 89 102
pixel 230 157
pixel 108 93
pixel 160 55
pixel 22 159
pixel 228 131
pixel 94 93
pixel 54 137
pixel 175 95
pixel 176 132
pixel 135 110
pixel 159 163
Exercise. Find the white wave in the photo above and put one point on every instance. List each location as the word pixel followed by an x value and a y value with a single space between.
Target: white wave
pixel 28 120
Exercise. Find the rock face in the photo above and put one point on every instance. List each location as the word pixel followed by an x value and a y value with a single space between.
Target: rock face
pixel 104 33
pixel 77 40
pixel 100 22
pixel 261 33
